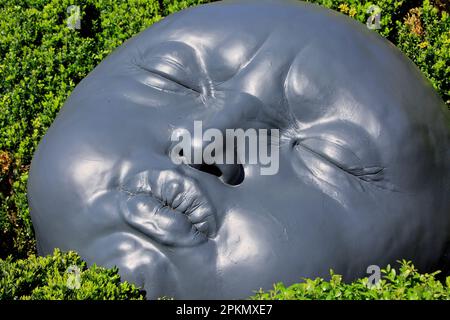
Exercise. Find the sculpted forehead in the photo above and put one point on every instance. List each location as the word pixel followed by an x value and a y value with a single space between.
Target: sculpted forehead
pixel 224 43
pixel 320 62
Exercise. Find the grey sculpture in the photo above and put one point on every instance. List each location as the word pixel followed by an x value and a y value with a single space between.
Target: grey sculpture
pixel 363 155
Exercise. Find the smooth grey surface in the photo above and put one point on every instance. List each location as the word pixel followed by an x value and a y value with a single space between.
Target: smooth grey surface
pixel 364 156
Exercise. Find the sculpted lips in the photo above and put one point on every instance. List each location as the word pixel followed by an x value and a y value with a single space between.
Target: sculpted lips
pixel 168 207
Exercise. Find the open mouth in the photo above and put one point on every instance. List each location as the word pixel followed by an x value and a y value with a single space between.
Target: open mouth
pixel 168 207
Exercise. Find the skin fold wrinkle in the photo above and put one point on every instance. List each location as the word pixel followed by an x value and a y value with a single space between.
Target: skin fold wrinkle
pixel 362 171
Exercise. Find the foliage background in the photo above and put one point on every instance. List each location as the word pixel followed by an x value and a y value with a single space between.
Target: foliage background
pixel 46 278
pixel 406 283
pixel 42 60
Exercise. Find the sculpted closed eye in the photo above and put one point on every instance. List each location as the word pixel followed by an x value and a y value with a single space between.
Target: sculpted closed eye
pixel 340 156
pixel 165 79
pixel 169 72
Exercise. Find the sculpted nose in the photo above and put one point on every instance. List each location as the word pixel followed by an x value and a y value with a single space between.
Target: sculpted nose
pixel 232 110
pixel 204 143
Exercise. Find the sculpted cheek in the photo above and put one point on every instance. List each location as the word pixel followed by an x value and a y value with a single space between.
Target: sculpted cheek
pixel 243 241
pixel 138 260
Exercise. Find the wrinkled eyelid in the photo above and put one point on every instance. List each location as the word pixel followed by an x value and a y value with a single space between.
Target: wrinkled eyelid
pixel 341 156
pixel 164 67
pixel 167 62
pixel 183 57
pixel 332 148
pixel 182 80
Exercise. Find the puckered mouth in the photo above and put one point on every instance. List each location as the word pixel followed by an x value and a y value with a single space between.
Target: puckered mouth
pixel 168 207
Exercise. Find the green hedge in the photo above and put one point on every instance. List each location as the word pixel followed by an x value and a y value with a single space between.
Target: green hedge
pixel 405 284
pixel 52 277
pixel 42 60
pixel 62 276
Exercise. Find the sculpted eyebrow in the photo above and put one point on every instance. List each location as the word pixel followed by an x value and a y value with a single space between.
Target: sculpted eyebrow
pixel 186 55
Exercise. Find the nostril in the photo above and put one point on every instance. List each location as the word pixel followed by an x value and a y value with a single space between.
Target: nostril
pixel 208 168
pixel 231 174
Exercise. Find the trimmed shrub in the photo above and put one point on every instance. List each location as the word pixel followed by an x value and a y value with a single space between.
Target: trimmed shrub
pixel 424 36
pixel 406 284
pixel 172 6
pixel 358 9
pixel 62 276
pixel 65 276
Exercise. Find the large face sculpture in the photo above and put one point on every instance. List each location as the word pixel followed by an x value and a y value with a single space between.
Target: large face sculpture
pixel 363 172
